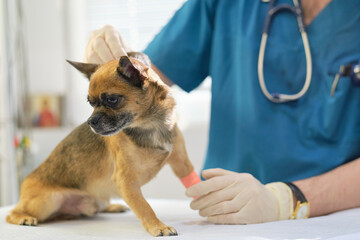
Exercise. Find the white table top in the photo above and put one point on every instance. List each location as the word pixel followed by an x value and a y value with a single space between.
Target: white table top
pixel 177 213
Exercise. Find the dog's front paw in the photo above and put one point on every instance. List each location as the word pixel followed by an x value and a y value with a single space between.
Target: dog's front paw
pixel 162 230
pixel 21 219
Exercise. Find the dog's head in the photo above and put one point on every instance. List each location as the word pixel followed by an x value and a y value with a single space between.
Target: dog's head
pixel 123 93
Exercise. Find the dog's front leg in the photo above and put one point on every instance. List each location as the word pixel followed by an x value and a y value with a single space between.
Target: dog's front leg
pixel 178 159
pixel 131 192
pixel 180 163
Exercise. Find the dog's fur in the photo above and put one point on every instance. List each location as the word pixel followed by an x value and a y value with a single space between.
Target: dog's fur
pixel 132 135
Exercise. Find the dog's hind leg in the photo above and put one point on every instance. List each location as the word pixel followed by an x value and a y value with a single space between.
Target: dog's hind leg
pixel 106 207
pixel 36 204
pixel 115 208
pixel 39 203
pixel 21 219
pixel 31 211
pixel 53 205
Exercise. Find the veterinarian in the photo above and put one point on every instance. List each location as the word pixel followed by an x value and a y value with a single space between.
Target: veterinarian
pixel 285 158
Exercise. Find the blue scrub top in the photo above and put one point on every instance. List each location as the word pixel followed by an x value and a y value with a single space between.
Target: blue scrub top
pixel 248 133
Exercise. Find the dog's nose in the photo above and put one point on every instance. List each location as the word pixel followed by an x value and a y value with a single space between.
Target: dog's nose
pixel 94 120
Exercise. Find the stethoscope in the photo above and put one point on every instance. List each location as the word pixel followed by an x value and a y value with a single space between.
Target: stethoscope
pixel 352 70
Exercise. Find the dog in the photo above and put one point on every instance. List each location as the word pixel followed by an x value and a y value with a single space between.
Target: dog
pixel 131 134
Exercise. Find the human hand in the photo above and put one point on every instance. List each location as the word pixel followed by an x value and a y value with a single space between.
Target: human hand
pixel 105 44
pixel 238 198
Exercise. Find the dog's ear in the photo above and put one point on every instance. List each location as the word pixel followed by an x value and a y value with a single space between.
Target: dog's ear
pixel 132 72
pixel 142 57
pixel 86 68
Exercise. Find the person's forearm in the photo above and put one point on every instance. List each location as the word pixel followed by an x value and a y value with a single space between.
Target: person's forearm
pixel 162 76
pixel 333 191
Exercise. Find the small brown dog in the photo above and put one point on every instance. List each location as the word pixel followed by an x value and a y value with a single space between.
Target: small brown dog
pixel 130 136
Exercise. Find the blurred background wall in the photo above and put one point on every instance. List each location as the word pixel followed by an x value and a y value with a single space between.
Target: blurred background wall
pixel 36 38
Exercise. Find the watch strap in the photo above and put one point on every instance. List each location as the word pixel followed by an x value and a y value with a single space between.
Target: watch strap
pixel 297 192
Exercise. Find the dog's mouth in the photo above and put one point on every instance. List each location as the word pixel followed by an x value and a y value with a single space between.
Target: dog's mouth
pixel 110 132
pixel 106 133
pixel 109 126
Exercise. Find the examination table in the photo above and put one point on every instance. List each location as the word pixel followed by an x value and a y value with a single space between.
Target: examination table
pixel 177 213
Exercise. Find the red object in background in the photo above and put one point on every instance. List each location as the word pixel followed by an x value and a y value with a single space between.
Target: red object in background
pixel 47 119
pixel 16 142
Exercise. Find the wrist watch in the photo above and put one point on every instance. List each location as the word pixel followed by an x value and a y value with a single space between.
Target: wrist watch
pixel 302 209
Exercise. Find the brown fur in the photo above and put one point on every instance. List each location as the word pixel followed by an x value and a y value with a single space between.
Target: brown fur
pixel 86 169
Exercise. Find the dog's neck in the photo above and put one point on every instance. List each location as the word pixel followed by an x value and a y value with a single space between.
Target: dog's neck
pixel 160 139
pixel 157 127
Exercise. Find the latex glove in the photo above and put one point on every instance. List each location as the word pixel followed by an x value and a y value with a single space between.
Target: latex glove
pixel 238 198
pixel 105 44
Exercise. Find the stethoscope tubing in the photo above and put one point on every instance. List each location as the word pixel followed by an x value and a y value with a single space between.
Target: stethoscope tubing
pixel 279 97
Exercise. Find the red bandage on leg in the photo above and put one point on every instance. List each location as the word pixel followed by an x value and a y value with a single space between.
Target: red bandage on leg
pixel 191 179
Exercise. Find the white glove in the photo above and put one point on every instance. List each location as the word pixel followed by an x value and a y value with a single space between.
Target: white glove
pixel 239 198
pixel 105 44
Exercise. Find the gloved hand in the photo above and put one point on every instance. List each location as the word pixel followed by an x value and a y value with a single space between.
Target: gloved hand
pixel 105 44
pixel 238 198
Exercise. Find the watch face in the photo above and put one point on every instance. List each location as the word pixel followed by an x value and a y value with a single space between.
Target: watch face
pixel 302 211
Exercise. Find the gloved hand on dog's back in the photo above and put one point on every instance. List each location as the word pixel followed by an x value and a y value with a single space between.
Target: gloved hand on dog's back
pixel 105 44
pixel 238 198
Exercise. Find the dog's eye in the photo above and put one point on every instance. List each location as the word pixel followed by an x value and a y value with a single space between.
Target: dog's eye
pixel 112 100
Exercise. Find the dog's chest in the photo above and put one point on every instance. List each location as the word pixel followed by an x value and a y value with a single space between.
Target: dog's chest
pixel 141 153
pixel 149 163
pixel 103 187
